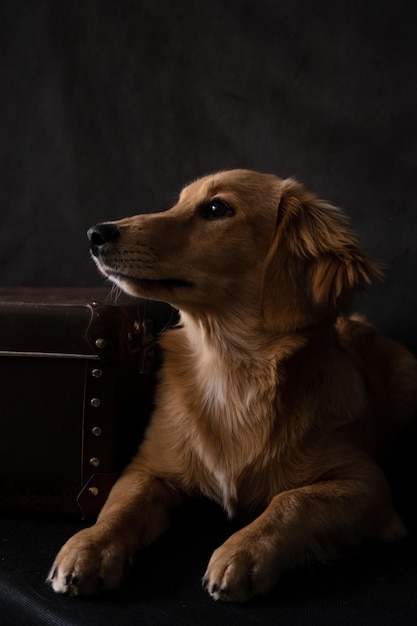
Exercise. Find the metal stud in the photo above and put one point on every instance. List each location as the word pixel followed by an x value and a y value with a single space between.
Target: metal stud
pixel 96 430
pixel 97 373
pixel 95 462
pixel 95 402
pixel 93 491
pixel 101 343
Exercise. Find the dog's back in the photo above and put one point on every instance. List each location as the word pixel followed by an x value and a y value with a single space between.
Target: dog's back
pixel 390 373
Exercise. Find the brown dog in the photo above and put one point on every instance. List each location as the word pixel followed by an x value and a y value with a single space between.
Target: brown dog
pixel 267 403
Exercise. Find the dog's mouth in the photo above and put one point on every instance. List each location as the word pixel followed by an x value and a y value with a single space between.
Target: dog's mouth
pixel 147 284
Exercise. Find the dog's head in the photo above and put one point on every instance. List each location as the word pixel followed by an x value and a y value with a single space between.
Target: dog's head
pixel 243 242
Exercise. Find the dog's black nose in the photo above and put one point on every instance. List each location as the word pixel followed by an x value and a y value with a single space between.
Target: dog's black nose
pixel 101 234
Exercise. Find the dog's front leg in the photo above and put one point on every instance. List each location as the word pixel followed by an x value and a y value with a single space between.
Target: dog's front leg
pixel 135 514
pixel 313 521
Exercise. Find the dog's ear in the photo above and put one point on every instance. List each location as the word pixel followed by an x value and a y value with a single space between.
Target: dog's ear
pixel 314 266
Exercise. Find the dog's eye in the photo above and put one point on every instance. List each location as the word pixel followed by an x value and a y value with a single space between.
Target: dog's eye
pixel 216 209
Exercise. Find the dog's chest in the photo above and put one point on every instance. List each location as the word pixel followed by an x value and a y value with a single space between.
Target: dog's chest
pixel 236 404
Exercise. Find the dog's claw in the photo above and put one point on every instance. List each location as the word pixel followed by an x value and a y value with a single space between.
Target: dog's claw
pixel 52 574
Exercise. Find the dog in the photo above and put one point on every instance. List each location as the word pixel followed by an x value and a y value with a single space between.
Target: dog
pixel 269 402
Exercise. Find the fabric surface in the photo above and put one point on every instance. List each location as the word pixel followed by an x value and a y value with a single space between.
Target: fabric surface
pixel 371 586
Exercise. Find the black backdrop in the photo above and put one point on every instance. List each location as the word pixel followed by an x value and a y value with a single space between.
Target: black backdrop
pixel 109 106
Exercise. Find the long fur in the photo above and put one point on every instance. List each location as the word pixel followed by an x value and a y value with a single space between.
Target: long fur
pixel 268 403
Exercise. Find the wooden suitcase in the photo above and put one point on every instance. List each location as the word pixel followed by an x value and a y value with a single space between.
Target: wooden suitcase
pixel 76 381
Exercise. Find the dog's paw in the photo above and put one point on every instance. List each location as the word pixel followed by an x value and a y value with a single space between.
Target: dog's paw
pixel 239 570
pixel 88 563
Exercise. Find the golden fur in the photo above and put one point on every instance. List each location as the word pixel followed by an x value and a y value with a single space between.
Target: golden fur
pixel 267 403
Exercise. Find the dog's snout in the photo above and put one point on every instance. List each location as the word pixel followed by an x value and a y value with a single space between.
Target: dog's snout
pixel 101 234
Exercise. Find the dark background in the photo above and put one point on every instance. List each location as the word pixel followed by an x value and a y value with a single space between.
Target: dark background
pixel 109 107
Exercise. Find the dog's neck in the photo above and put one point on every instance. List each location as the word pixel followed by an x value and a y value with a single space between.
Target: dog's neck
pixel 243 339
